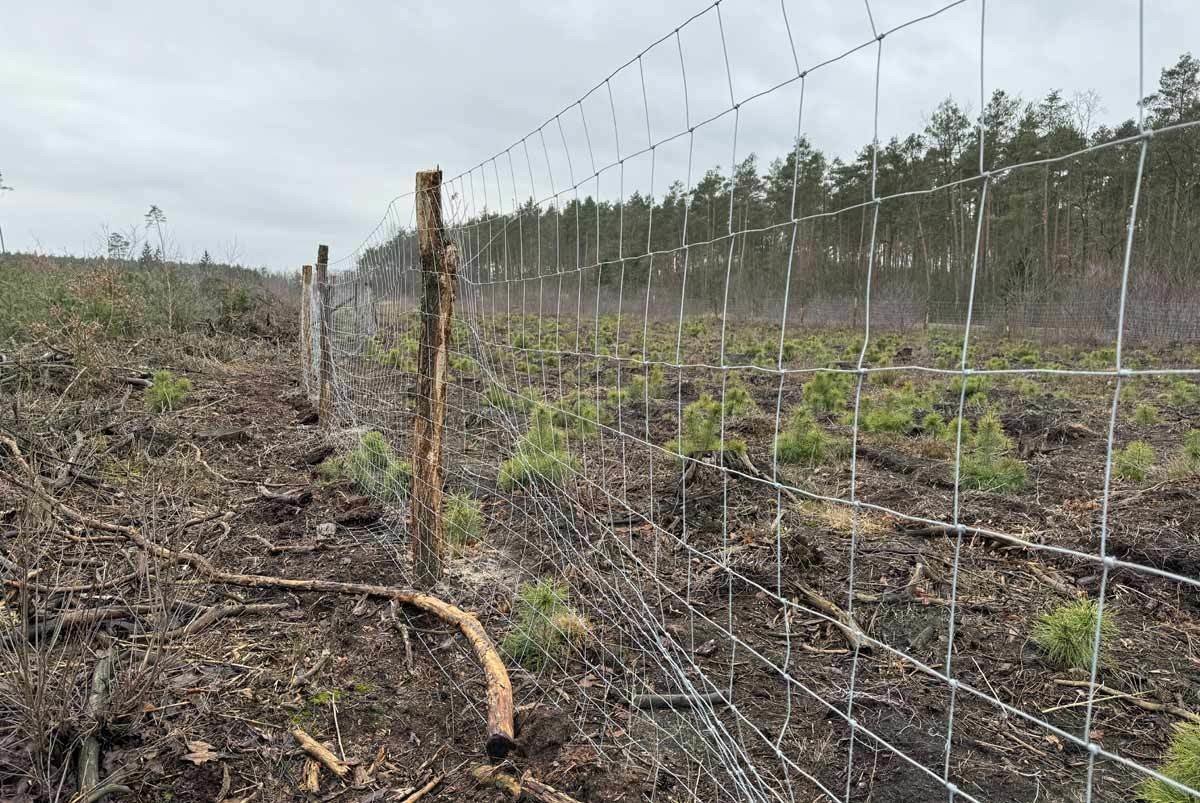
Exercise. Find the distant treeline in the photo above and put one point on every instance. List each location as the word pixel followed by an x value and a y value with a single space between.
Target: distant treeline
pixel 1052 240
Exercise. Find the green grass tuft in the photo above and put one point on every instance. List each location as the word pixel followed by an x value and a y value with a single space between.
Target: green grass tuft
pixel 738 399
pixel 541 455
pixel 650 384
pixel 702 430
pixel 375 469
pixel 1134 462
pixel 1183 393
pixel 1182 765
pixel 804 442
pixel 1186 462
pixel 506 401
pixel 827 392
pixel 1067 633
pixel 463 366
pixel 987 464
pixel 1145 415
pixel 167 392
pixel 464 518
pixel 976 386
pixel 545 625
pixel 581 416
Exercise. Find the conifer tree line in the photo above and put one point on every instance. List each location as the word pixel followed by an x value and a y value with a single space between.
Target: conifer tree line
pixel 1051 240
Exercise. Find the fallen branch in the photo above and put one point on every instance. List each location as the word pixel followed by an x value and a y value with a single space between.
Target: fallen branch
pixel 321 753
pixel 304 676
pixel 527 787
pixel 844 621
pixel 1147 705
pixel 215 614
pixel 676 701
pixel 70 465
pixel 213 472
pixel 424 790
pixel 75 618
pixel 90 788
pixel 310 777
pixel 905 592
pixel 948 530
pixel 99 585
pixel 297 497
pixel 277 549
pixel 500 739
pixel 497 777
pixel 1053 581
pixel 98 793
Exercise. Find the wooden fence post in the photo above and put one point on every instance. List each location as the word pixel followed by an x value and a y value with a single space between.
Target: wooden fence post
pixel 326 365
pixel 439 267
pixel 306 344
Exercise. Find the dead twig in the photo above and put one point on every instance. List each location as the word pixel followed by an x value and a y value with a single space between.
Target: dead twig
pixel 904 592
pixel 527 787
pixel 90 788
pixel 297 496
pixel 318 665
pixel 844 621
pixel 320 753
pixel 1146 705
pixel 215 614
pixel 676 701
pixel 426 789
pixel 500 739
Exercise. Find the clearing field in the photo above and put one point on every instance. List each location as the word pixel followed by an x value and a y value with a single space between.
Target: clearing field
pixel 695 576
pixel 720 549
pixel 733 435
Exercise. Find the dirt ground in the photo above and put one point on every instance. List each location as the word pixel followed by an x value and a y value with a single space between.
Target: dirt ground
pixel 206 711
pixel 207 715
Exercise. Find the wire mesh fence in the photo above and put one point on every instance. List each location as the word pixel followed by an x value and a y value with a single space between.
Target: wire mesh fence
pixel 777 493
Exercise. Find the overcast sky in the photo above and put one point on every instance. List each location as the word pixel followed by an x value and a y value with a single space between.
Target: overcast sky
pixel 277 124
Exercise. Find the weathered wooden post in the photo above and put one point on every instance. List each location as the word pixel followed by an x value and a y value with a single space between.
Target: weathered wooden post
pixel 439 267
pixel 323 339
pixel 306 344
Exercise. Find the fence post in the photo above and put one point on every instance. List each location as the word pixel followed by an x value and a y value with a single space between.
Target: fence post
pixel 306 327
pixel 439 266
pixel 326 366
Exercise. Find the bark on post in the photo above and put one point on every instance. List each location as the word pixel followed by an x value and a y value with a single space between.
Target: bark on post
pixel 439 267
pixel 326 366
pixel 306 327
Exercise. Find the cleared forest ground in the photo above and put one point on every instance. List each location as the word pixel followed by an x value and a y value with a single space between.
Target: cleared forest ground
pixel 211 681
pixel 201 707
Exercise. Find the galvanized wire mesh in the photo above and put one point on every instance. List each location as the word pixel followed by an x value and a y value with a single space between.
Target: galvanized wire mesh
pixel 713 479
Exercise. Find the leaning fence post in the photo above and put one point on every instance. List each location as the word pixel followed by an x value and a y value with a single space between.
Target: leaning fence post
pixel 306 344
pixel 439 266
pixel 326 366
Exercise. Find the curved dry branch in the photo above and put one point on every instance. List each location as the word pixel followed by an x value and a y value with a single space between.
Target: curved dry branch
pixel 500 739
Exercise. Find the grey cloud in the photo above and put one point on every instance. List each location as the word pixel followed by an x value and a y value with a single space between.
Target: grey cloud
pixel 281 123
